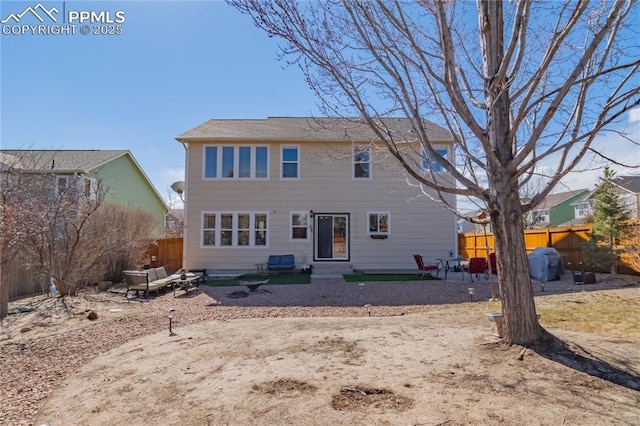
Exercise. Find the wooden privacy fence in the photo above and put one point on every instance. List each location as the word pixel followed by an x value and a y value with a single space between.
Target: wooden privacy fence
pixel 23 279
pixel 166 252
pixel 26 280
pixel 567 240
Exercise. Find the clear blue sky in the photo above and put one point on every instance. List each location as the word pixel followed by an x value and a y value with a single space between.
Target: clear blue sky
pixel 175 66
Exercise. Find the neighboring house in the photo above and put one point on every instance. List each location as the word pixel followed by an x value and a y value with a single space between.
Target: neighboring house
pixel 556 210
pixel 320 189
pixel 119 174
pixel 629 192
pixel 627 188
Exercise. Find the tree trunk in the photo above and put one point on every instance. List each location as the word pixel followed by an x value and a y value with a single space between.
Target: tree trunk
pixel 520 323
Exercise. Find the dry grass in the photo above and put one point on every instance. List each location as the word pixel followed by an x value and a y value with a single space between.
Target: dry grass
pixel 605 314
pixel 601 313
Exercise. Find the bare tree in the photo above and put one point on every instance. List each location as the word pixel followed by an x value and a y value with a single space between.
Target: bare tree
pixel 61 224
pixel 83 239
pixel 19 174
pixel 126 236
pixel 528 82
pixel 63 242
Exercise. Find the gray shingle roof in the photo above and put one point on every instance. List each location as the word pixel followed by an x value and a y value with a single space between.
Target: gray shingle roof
pixel 553 200
pixel 305 129
pixel 630 183
pixel 60 161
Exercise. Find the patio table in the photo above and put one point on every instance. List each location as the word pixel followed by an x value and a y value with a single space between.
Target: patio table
pixel 189 282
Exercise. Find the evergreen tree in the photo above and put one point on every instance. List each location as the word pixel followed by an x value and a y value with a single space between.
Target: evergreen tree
pixel 610 222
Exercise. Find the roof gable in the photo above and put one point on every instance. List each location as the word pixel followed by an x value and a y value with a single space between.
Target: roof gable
pixel 558 198
pixel 306 129
pixel 630 183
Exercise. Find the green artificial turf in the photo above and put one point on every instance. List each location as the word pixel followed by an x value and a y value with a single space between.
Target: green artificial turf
pixel 354 278
pixel 283 278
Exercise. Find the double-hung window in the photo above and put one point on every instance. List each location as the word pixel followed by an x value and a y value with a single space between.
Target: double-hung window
pixel 234 229
pixel 378 223
pixel 361 162
pixel 209 229
pixel 540 216
pixel 236 162
pixel 582 210
pixel 290 164
pixel 63 183
pixel 299 226
pixel 430 163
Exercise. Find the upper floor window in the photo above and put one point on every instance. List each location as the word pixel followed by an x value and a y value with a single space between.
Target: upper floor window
pixel 540 216
pixel 361 163
pixel 429 163
pixel 63 183
pixel 582 210
pixel 234 229
pixel 236 162
pixel 378 223
pixel 299 226
pixel 90 188
pixel 290 168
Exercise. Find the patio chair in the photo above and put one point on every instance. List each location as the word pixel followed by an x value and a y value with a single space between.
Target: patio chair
pixel 494 264
pixel 426 268
pixel 476 265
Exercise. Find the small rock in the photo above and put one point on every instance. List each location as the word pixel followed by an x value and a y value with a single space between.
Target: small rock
pixel 25 329
pixel 92 316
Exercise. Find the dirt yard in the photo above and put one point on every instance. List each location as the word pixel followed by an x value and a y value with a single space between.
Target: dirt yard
pixel 274 365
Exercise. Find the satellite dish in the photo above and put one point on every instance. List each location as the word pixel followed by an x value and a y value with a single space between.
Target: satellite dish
pixel 178 187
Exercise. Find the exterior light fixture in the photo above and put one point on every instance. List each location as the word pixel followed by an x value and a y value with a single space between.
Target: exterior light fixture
pixel 170 314
pixel 471 291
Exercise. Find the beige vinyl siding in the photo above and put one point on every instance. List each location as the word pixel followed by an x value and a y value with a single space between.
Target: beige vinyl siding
pixel 326 185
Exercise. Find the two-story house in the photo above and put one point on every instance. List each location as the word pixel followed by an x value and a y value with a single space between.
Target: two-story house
pixel 320 189
pixel 119 174
pixel 627 188
pixel 556 210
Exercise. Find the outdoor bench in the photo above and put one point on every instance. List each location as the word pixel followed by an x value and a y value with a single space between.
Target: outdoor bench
pixel 147 280
pixel 281 262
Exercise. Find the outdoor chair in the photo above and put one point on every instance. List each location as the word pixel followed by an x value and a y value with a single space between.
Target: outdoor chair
pixel 426 268
pixel 494 264
pixel 476 265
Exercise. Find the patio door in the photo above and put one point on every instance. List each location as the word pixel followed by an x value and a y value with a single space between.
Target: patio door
pixel 331 237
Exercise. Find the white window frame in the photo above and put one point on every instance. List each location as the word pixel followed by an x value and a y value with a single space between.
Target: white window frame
pixel 203 229
pixel 282 162
pixel 292 226
pixel 540 214
pixel 236 162
pixel 582 210
pixel 428 164
pixel 378 231
pixel 354 151
pixel 65 187
pixel 234 229
pixel 90 188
